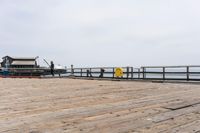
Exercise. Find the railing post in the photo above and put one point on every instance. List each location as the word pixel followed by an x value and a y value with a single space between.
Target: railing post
pixel 127 72
pixel 188 73
pixel 81 72
pixel 113 73
pixel 144 72
pixel 138 73
pixel 163 73
pixel 132 72
pixel 59 73
pixel 72 69
pixel 90 72
pixel 87 71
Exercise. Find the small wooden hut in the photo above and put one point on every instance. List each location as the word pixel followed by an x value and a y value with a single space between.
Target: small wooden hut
pixel 16 62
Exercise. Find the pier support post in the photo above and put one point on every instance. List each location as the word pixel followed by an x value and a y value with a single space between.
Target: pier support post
pixel 138 73
pixel 90 72
pixel 163 73
pixel 72 69
pixel 127 72
pixel 188 73
pixel 113 72
pixel 144 72
pixel 131 72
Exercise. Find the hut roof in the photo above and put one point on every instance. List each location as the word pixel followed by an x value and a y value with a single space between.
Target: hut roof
pixel 20 58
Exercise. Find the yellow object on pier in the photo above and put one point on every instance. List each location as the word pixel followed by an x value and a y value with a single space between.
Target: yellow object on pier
pixel 119 72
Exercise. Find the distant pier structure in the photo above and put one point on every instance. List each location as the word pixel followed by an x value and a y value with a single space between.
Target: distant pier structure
pixel 21 67
pixel 19 62
pixel 25 67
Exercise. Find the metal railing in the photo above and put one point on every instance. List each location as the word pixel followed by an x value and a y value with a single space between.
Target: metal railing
pixel 189 73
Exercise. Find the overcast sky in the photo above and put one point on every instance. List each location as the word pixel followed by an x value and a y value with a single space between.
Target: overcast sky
pixel 102 32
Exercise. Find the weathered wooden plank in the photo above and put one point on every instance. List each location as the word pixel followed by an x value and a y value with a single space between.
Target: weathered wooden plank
pixel 166 126
pixel 117 121
pixel 64 105
pixel 172 114
pixel 193 127
pixel 184 104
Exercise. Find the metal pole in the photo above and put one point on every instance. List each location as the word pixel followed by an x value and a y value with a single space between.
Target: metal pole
pixel 127 72
pixel 113 72
pixel 132 72
pixel 90 72
pixel 143 72
pixel 138 73
pixel 188 73
pixel 163 73
pixel 46 62
pixel 72 69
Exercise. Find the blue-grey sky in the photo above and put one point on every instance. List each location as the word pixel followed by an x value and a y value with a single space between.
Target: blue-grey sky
pixel 102 32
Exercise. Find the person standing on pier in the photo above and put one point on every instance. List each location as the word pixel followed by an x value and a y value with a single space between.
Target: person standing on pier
pixel 52 68
pixel 101 72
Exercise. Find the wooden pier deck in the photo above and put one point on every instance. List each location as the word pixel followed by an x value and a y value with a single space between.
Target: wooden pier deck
pixel 73 105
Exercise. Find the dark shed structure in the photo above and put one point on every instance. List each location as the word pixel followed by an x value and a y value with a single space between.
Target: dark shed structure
pixel 19 62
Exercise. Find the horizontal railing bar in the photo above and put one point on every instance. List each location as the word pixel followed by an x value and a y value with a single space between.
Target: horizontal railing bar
pixel 84 72
pixel 170 66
